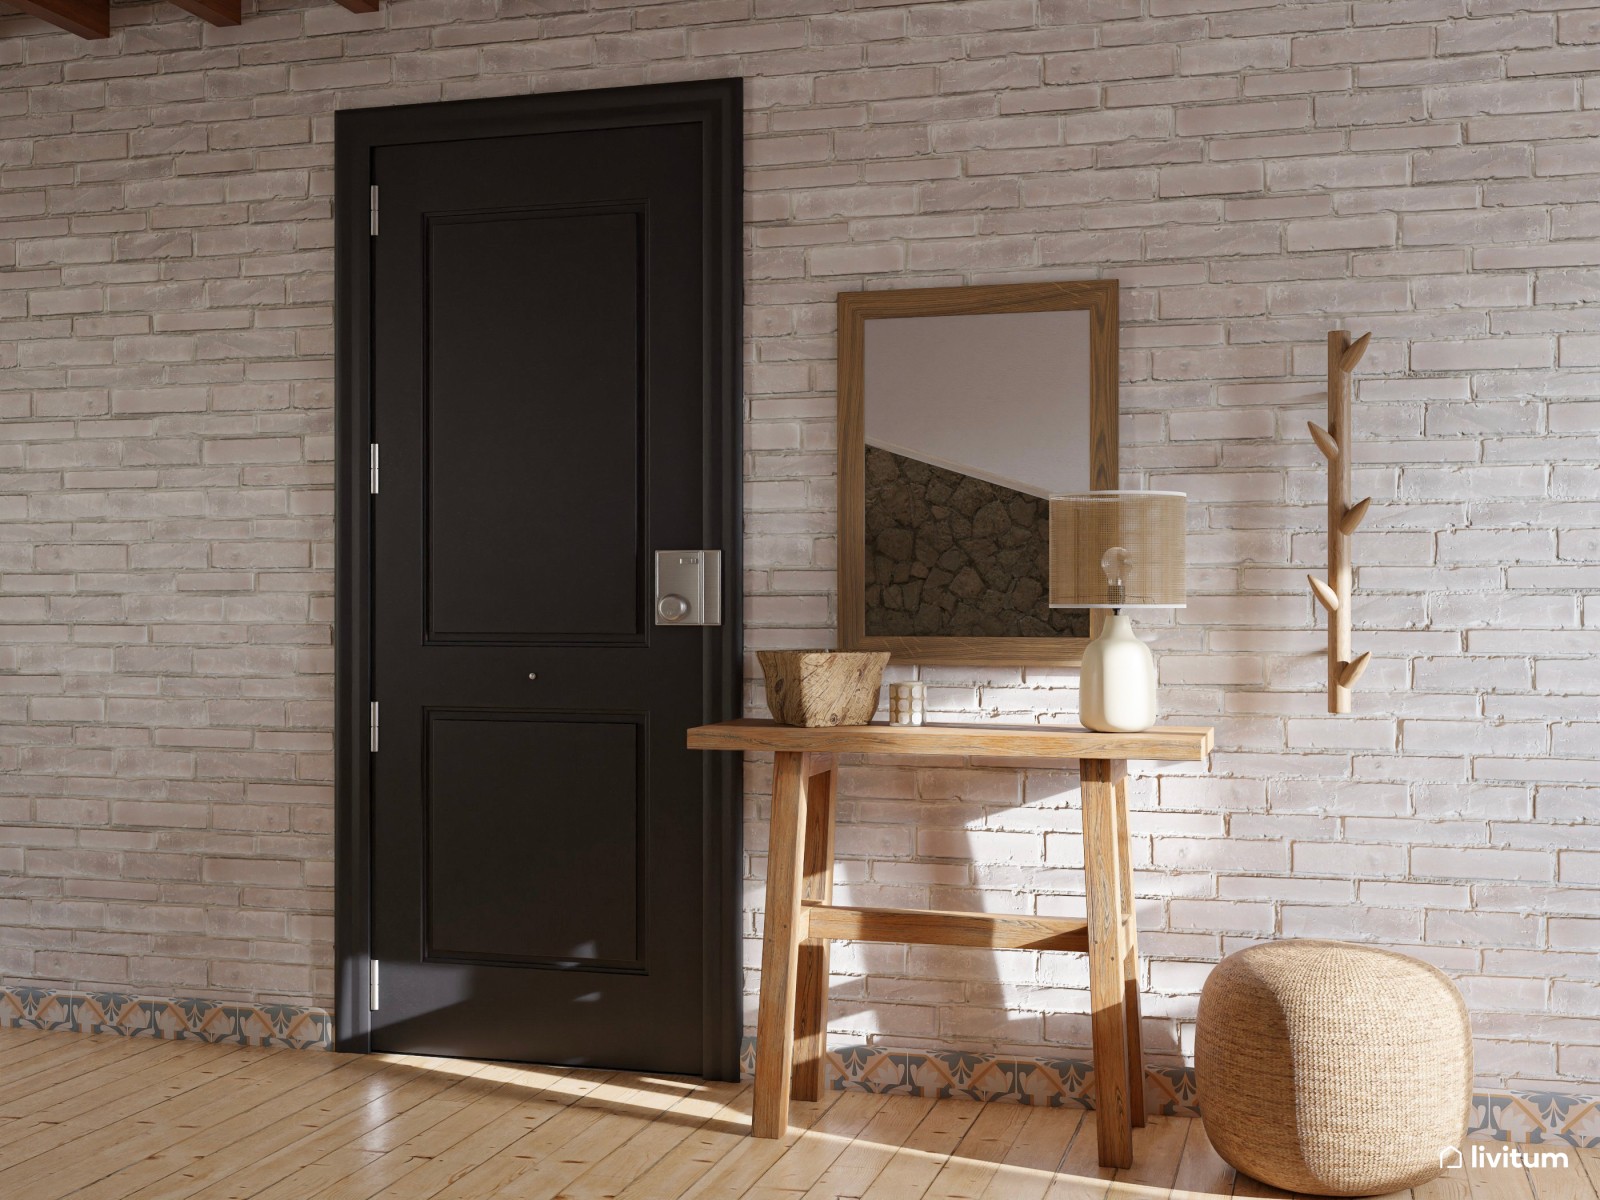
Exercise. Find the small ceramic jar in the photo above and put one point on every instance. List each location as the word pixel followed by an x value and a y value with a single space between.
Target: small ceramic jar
pixel 908 703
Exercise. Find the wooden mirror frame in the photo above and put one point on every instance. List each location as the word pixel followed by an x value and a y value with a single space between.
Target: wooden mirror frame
pixel 1096 296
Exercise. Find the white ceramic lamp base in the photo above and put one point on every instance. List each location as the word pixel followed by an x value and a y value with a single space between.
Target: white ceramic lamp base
pixel 1117 684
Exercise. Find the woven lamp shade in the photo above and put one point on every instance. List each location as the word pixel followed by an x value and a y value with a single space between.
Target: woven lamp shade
pixel 1148 526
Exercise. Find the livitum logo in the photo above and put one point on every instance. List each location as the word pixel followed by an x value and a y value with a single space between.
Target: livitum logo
pixel 1480 1156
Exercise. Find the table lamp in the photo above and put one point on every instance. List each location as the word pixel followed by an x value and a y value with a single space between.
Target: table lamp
pixel 1117 550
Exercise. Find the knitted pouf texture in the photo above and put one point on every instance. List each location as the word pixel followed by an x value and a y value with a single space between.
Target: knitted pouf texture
pixel 1332 1069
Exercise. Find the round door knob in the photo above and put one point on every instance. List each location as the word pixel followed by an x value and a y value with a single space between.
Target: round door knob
pixel 672 608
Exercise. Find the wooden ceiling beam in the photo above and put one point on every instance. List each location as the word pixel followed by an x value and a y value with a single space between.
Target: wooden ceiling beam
pixel 86 18
pixel 214 12
pixel 92 18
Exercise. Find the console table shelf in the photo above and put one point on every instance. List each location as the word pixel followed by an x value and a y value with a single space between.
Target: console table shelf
pixel 801 918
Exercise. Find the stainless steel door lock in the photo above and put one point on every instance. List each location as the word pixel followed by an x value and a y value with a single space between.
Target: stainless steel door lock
pixel 688 587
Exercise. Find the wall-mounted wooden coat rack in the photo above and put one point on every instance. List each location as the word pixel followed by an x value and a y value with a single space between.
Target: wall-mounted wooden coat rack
pixel 1343 518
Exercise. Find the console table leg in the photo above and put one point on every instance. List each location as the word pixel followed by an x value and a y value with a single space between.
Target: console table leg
pixel 811 999
pixel 1107 959
pixel 1130 960
pixel 779 947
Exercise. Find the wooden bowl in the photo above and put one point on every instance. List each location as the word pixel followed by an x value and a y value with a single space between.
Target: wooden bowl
pixel 822 687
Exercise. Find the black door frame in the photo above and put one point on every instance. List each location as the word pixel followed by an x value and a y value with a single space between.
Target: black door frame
pixel 717 107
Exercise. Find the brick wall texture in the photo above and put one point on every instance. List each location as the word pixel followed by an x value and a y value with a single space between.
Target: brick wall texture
pixel 1255 173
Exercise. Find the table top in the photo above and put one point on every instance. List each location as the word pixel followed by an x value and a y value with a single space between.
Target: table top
pixel 1169 743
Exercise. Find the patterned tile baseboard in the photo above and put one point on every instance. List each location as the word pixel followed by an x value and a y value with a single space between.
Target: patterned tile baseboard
pixel 128 1015
pixel 1522 1117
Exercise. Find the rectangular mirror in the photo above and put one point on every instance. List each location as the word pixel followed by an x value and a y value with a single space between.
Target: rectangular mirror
pixel 961 411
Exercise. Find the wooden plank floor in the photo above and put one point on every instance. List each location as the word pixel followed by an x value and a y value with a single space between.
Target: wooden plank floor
pixel 105 1118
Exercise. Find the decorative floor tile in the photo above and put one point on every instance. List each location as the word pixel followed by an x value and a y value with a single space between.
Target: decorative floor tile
pixel 1539 1118
pixel 1520 1117
pixel 129 1015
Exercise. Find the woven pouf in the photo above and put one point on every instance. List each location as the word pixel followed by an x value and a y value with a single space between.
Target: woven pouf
pixel 1333 1069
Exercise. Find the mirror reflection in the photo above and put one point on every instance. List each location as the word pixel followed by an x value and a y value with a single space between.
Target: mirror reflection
pixel 971 423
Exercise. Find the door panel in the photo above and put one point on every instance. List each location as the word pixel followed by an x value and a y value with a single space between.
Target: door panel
pixel 550 336
pixel 534 404
pixel 501 782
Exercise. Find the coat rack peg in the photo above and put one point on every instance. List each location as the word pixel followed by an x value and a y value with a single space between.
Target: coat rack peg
pixel 1343 518
pixel 1353 516
pixel 1351 671
pixel 1353 352
pixel 1324 441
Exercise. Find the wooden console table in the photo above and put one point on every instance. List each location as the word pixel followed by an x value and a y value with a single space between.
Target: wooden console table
pixel 791 1043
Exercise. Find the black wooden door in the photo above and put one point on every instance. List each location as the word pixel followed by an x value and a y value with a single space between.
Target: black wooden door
pixel 548 877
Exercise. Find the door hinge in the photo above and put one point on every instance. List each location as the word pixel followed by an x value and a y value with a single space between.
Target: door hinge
pixel 374 726
pixel 374 458
pixel 373 1001
pixel 374 193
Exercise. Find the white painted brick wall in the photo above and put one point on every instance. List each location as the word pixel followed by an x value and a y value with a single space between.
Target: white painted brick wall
pixel 1254 174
